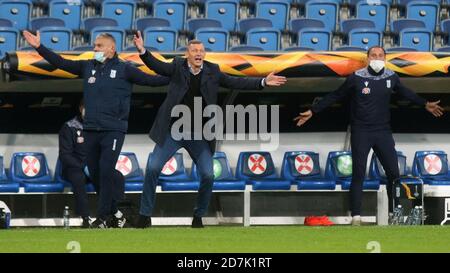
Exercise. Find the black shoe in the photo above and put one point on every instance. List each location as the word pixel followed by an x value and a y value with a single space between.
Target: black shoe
pixel 197 222
pixel 117 222
pixel 143 221
pixel 86 222
pixel 99 223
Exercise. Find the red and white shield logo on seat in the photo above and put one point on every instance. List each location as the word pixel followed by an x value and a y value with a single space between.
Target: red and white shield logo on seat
pixel 124 165
pixel 432 164
pixel 304 164
pixel 170 167
pixel 30 166
pixel 257 164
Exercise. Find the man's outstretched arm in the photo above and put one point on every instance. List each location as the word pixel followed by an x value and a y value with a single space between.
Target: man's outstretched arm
pixel 246 83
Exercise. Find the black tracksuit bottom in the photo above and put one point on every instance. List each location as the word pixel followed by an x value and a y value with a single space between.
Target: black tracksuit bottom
pixel 383 145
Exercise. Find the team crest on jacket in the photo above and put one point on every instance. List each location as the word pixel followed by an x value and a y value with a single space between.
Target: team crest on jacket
pixel 366 90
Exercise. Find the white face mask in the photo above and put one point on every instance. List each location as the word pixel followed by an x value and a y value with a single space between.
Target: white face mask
pixel 377 65
pixel 99 56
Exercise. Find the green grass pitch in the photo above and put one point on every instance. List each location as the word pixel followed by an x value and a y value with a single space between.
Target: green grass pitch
pixel 230 239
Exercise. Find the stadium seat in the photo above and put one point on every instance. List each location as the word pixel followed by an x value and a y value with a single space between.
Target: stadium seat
pixel 6 23
pixel 349 48
pixel 298 48
pixel 377 13
pixel 445 28
pixel 400 49
pixel 339 169
pixel 295 25
pixel 161 38
pixel 275 11
pixel 128 165
pixel 174 176
pixel 69 11
pixel 39 23
pixel 419 39
pixel 117 33
pixel 90 23
pixel 398 25
pixel 426 11
pixel 59 179
pixel 432 167
pixel 266 38
pixel 226 11
pixel 120 10
pixel 194 24
pixel 326 11
pixel 303 169
pixel 5 184
pixel 31 171
pixel 8 40
pixel 245 25
pixel 258 169
pixel 56 38
pixel 241 48
pixel 214 38
pixel 142 23
pixel 173 10
pixel 223 177
pixel 351 24
pixel 316 38
pixel 365 38
pixel 17 11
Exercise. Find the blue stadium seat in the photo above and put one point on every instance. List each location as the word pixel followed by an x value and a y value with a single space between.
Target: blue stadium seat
pixel 17 11
pixel 400 49
pixel 258 169
pixel 6 23
pixel 128 165
pixel 214 38
pixel 349 48
pixel 223 177
pixel 326 11
pixel 69 11
pixel 173 10
pixel 275 11
pixel 419 39
pixel 303 169
pixel 117 33
pixel 298 48
pixel 8 40
pixel 245 25
pixel 31 171
pixel 120 10
pixel 90 23
pixel 378 13
pixel 5 184
pixel 226 11
pixel 432 167
pixel 59 179
pixel 56 38
pixel 266 38
pixel 162 38
pixel 376 170
pixel 174 176
pixel 445 27
pixel 142 23
pixel 351 24
pixel 194 24
pixel 316 38
pixel 365 38
pixel 295 25
pixel 38 23
pixel 242 48
pixel 404 3
pixel 426 11
pixel 398 25
pixel 339 169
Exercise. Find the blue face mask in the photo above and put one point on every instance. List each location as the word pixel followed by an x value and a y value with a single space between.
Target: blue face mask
pixel 99 56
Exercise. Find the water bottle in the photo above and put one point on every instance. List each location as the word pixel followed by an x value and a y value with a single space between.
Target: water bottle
pixel 66 217
pixel 397 218
pixel 412 217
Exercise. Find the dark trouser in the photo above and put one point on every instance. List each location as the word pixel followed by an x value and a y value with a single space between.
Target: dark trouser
pixel 202 156
pixel 103 149
pixel 383 145
pixel 79 179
